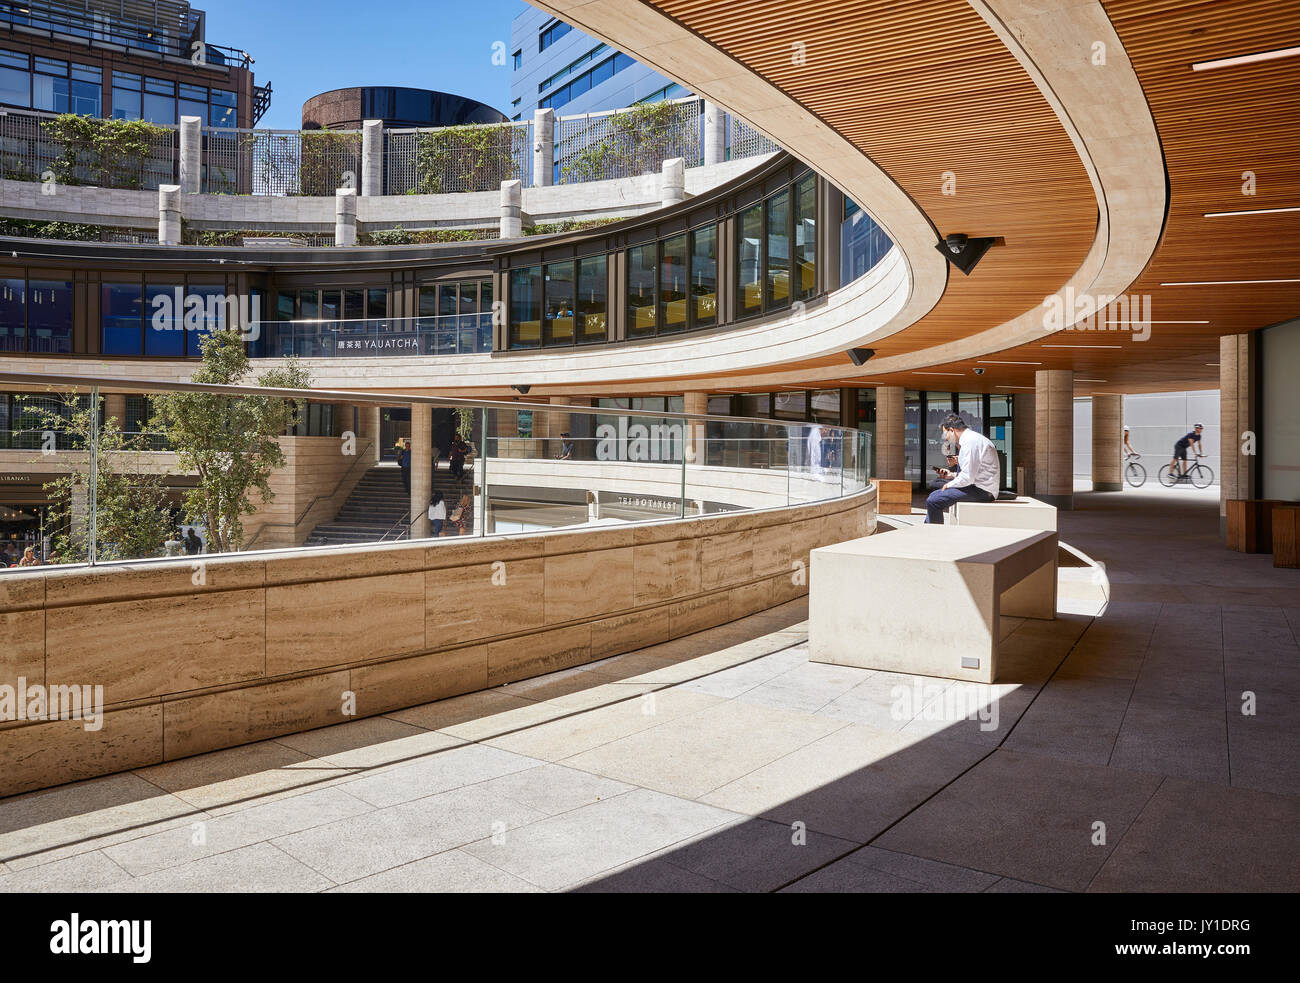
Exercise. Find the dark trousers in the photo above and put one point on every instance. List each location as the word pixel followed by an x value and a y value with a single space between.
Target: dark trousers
pixel 406 478
pixel 940 501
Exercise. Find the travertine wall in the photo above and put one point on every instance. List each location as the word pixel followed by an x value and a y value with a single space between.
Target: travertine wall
pixel 316 480
pixel 249 648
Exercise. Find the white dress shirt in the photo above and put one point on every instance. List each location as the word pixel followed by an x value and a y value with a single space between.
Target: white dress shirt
pixel 978 459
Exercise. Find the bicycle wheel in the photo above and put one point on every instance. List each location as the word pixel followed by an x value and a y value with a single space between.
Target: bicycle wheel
pixel 1167 477
pixel 1202 477
pixel 1135 474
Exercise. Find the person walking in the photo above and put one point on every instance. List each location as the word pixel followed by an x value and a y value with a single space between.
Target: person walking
pixel 437 514
pixel 404 462
pixel 979 477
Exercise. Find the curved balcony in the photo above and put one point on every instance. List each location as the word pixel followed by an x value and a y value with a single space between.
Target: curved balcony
pixel 591 536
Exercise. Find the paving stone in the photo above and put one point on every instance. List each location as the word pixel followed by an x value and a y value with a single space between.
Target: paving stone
pixel 1197 837
pixel 852 784
pixel 440 771
pixel 259 868
pixel 574 847
pixel 1027 817
pixel 455 872
pixel 367 844
pixel 696 753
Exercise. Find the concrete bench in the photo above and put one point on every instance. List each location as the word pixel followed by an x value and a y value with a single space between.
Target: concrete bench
pixel 1018 513
pixel 926 599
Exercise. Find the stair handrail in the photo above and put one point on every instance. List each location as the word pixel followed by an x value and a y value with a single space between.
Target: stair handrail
pixel 313 503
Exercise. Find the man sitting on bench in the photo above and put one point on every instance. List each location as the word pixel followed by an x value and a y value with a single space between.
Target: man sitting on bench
pixel 979 478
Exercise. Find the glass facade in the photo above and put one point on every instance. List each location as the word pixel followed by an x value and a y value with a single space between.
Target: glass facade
pixel 863 243
pixel 57 86
pixel 160 320
pixel 36 316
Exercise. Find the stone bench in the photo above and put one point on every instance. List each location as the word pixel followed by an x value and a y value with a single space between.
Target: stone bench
pixel 927 599
pixel 1017 513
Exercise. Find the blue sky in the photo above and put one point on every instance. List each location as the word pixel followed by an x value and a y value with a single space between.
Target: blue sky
pixel 308 46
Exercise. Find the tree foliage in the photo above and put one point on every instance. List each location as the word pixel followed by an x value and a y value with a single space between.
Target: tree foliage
pixel 132 511
pixel 231 442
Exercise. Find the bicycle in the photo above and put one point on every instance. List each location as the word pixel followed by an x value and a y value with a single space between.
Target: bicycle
pixel 1197 473
pixel 1134 473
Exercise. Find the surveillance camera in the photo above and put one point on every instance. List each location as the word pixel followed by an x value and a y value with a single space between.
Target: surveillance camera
pixel 979 371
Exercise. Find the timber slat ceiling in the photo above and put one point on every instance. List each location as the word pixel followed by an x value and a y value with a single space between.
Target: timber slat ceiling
pixel 925 87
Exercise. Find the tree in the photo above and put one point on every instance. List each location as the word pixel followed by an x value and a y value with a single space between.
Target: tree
pixel 132 513
pixel 232 442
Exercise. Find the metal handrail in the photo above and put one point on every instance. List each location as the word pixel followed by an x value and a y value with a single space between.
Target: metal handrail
pixel 118 384
pixel 312 504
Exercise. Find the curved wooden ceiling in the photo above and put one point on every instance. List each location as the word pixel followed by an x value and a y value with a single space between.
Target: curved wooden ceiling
pixel 926 87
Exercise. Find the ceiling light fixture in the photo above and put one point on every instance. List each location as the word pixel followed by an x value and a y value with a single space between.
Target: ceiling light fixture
pixel 1205 66
pixel 1252 211
pixel 1089 380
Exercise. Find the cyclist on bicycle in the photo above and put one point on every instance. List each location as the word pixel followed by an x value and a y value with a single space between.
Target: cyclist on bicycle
pixel 1180 451
pixel 1128 448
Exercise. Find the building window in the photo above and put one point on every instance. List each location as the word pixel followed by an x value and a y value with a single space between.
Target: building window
pixel 672 285
pixel 15 79
pixel 160 101
pixel 704 276
pixel 526 307
pixel 805 237
pixel 777 208
pixel 121 319
pixel 641 290
pixel 559 304
pixel 552 34
pixel 519 59
pixel 164 330
pixel 750 266
pixel 593 287
pixel 126 95
pixel 863 243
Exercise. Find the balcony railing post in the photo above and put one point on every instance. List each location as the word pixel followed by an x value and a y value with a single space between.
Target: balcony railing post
pixel 92 494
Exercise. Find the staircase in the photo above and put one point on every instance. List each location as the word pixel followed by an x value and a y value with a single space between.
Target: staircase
pixel 378 507
pixel 376 504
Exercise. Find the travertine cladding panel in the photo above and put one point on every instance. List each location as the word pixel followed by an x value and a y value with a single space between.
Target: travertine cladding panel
pixel 276 643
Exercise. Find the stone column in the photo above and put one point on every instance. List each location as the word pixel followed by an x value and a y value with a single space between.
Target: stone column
pixel 421 468
pixel 372 158
pixel 1107 442
pixel 1238 426
pixel 889 433
pixel 512 206
pixel 369 428
pixel 715 134
pixel 191 160
pixel 115 408
pixel 672 182
pixel 345 217
pixel 169 214
pixel 1054 439
pixel 693 435
pixel 1024 427
pixel 543 147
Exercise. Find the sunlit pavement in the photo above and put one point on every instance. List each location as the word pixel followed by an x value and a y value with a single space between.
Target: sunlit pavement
pixel 1119 759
